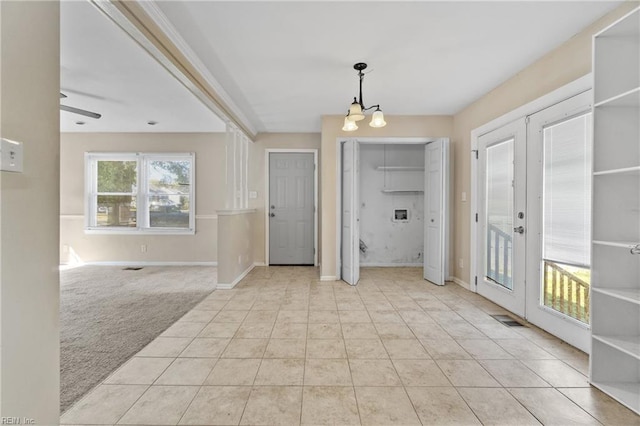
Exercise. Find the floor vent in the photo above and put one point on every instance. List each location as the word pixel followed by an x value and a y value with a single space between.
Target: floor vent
pixel 132 268
pixel 508 321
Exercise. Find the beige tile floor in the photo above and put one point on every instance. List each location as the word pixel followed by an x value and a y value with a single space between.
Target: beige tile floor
pixel 284 349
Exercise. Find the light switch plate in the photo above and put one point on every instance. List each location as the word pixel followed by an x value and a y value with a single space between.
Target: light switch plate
pixel 10 155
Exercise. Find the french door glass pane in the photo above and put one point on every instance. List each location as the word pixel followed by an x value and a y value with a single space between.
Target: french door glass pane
pixel 566 207
pixel 499 214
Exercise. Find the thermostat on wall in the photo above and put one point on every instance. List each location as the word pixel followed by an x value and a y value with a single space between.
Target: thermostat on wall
pixel 10 155
pixel 400 215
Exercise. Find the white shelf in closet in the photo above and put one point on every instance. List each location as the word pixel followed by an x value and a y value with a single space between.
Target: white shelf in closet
pixel 628 294
pixel 387 190
pixel 627 344
pixel 400 168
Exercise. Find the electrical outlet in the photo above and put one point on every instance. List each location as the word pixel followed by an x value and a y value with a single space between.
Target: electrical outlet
pixel 464 196
pixel 143 248
pixel 460 263
pixel 65 248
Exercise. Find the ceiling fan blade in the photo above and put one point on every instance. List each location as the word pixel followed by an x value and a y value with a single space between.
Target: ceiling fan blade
pixel 80 111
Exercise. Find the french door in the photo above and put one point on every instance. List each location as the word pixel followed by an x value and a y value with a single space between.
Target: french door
pixel 501 216
pixel 559 221
pixel 534 226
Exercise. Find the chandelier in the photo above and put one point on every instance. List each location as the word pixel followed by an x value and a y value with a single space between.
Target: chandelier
pixel 357 108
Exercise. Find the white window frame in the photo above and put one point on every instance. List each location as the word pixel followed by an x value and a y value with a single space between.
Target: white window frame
pixel 142 188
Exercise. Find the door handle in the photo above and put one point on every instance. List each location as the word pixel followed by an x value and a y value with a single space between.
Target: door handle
pixel 272 215
pixel 519 229
pixel 635 249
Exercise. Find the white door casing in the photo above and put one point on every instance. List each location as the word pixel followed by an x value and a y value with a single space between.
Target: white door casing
pixel 291 209
pixel 435 203
pixel 350 267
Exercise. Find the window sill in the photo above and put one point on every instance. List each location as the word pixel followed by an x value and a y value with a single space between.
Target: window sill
pixel 137 231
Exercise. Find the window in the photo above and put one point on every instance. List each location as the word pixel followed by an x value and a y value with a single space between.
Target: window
pixel 140 193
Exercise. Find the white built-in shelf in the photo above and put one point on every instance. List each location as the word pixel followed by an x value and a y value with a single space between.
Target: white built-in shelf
pixel 624 171
pixel 628 99
pixel 627 344
pixel 620 244
pixel 629 294
pixel 627 393
pixel 400 168
pixel 387 190
pixel 616 88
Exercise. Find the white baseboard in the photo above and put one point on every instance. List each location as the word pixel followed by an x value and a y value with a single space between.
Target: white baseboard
pixel 390 265
pixel 328 278
pixel 229 286
pixel 149 263
pixel 461 283
pixel 259 264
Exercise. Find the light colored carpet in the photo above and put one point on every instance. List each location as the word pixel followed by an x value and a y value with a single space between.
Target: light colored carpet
pixel 108 314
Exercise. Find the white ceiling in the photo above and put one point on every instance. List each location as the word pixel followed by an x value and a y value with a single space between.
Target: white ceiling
pixel 105 71
pixel 285 64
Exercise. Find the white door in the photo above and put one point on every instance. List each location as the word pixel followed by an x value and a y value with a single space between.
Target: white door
pixel 435 208
pixel 559 220
pixel 350 217
pixel 291 208
pixel 501 216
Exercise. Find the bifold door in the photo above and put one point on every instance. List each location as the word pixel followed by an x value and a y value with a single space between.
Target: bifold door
pixel 350 227
pixel 435 203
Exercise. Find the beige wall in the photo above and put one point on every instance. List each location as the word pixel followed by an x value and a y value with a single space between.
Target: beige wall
pixel 566 63
pixel 29 201
pixel 210 196
pixel 258 180
pixel 397 126
pixel 235 235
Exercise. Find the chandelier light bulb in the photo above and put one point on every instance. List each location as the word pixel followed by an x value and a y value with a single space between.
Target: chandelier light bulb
pixel 349 126
pixel 377 119
pixel 355 112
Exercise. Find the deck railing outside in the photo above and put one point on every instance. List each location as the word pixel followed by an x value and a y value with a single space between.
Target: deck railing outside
pixel 566 292
pixel 499 246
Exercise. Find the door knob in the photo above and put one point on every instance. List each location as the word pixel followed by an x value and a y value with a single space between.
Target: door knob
pixel 519 229
pixel 635 249
pixel 272 215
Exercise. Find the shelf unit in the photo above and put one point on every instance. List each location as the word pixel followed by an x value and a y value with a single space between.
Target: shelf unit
pixel 403 179
pixel 615 277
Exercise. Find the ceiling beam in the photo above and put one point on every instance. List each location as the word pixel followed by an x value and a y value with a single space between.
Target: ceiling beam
pixel 167 47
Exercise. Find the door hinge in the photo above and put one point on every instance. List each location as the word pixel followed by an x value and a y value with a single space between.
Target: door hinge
pixel 527 119
pixel 476 281
pixel 475 151
pixel 476 217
